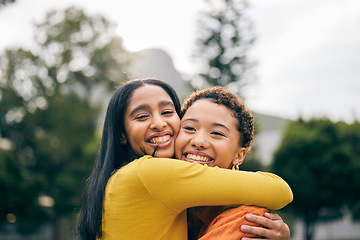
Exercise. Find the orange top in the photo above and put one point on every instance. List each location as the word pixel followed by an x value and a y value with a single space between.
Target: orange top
pixel 226 226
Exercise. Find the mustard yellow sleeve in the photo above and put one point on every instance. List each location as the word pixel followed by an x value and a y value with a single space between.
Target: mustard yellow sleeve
pixel 179 185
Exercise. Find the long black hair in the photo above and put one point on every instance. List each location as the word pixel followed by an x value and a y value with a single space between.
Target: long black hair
pixel 112 155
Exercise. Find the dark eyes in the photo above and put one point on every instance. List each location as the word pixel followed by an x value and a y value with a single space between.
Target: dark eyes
pixel 193 129
pixel 189 128
pixel 167 112
pixel 218 134
pixel 144 116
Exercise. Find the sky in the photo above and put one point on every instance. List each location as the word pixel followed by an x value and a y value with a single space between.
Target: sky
pixel 307 51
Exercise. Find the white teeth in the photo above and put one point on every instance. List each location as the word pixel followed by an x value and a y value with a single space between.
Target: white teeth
pixel 197 158
pixel 159 140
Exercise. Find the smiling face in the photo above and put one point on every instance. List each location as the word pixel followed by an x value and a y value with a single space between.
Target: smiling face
pixel 209 135
pixel 151 121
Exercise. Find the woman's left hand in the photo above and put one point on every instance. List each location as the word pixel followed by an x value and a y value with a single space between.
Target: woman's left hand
pixel 273 227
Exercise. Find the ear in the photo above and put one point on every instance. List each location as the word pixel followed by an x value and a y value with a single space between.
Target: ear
pixel 239 156
pixel 123 140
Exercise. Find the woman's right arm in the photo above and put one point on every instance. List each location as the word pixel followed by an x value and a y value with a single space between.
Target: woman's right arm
pixel 180 185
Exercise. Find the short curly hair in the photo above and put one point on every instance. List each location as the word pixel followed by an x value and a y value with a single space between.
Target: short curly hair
pixel 227 98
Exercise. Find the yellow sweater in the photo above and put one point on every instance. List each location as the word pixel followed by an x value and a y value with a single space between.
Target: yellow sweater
pixel 147 198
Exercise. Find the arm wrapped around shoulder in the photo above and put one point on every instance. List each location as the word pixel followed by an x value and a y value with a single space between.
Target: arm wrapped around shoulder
pixel 282 195
pixel 180 185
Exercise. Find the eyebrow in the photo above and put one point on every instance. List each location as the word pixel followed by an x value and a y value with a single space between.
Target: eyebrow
pixel 213 124
pixel 221 125
pixel 166 102
pixel 147 106
pixel 140 107
pixel 190 120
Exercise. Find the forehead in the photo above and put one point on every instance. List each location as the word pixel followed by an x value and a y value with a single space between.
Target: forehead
pixel 149 94
pixel 204 110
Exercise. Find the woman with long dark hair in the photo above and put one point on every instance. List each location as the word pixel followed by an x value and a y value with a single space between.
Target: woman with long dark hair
pixel 147 198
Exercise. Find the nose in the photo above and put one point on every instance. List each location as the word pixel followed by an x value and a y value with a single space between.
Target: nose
pixel 199 140
pixel 158 122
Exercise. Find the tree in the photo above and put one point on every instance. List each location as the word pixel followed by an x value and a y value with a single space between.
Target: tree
pixel 315 162
pixel 349 135
pixel 50 101
pixel 224 38
pixel 18 192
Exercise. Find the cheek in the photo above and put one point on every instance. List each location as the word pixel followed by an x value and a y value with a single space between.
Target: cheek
pixel 224 151
pixel 135 135
pixel 179 144
pixel 224 157
pixel 134 143
pixel 176 126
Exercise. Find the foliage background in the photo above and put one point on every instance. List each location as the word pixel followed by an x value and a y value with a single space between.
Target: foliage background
pixel 50 104
pixel 51 99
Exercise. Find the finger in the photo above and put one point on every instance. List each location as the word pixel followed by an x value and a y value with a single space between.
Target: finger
pixel 247 238
pixel 262 233
pixel 276 225
pixel 258 231
pixel 272 216
pixel 260 220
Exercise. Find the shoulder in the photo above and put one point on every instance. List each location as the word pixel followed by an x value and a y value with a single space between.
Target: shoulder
pixel 169 169
pixel 152 166
pixel 158 164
